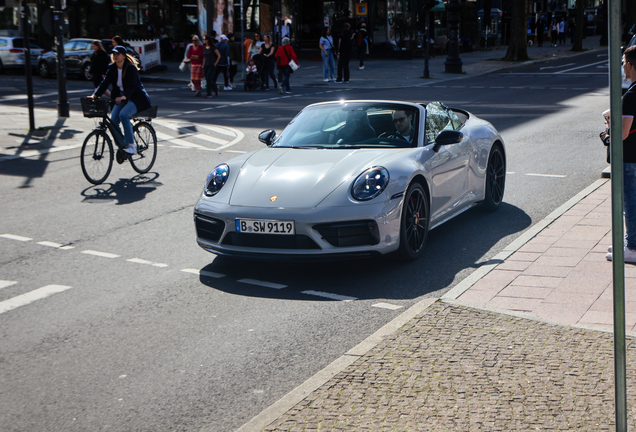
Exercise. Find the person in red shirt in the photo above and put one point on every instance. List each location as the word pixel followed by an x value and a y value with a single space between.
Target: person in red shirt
pixel 195 54
pixel 284 55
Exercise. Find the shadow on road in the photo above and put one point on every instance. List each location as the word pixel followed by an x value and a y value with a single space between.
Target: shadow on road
pixel 124 191
pixel 454 247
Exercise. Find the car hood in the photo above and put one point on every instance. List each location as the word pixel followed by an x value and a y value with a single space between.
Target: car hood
pixel 299 178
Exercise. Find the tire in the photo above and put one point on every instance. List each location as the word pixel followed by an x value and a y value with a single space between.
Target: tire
pixel 413 223
pixel 2 69
pixel 97 156
pixel 85 71
pixel 45 70
pixel 495 179
pixel 146 141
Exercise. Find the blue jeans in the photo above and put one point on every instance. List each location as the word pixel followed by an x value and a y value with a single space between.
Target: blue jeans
pixel 286 74
pixel 121 114
pixel 328 65
pixel 629 204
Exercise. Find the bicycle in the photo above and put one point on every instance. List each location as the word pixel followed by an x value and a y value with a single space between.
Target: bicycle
pixel 97 151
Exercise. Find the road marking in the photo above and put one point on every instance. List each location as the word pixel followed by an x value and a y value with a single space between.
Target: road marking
pixel 556 67
pixel 329 295
pixel 546 175
pixel 579 67
pixel 178 141
pixel 139 261
pixel 263 283
pixel 100 254
pixel 203 273
pixel 6 283
pixel 387 306
pixel 31 296
pixel 159 265
pixel 15 237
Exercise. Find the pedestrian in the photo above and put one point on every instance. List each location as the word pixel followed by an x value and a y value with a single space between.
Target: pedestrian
pixel 118 41
pixel 268 50
pixel 224 62
pixel 255 46
pixel 128 92
pixel 540 28
pixel 562 31
pixel 573 30
pixel 363 44
pixel 554 32
pixel 211 59
pixel 235 57
pixel 284 55
pixel 99 65
pixel 344 53
pixel 629 156
pixel 195 54
pixel 186 61
pixel 326 46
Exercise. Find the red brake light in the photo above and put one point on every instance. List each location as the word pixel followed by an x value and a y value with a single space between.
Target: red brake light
pixel 16 50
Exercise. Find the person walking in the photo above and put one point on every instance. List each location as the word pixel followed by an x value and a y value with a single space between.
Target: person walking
pixel 562 31
pixel 344 53
pixel 211 59
pixel 128 91
pixel 326 46
pixel 224 62
pixel 540 28
pixel 554 32
pixel 284 55
pixel 629 157
pixel 195 54
pixel 99 64
pixel 268 50
pixel 235 57
pixel 255 46
pixel 363 44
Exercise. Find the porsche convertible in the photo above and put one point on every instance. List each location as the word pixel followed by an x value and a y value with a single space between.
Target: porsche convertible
pixel 352 178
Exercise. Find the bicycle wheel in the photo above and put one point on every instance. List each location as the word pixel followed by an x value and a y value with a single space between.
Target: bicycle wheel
pixel 146 141
pixel 97 156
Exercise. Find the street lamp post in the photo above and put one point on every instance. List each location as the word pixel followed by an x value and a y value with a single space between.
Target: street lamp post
pixel 453 63
pixel 58 31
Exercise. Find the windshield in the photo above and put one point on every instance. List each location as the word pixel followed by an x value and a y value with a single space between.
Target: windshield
pixel 352 125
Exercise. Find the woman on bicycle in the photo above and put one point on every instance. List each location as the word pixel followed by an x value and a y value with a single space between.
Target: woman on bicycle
pixel 128 93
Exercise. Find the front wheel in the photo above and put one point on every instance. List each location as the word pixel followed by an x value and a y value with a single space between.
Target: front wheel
pixel 86 71
pixel 97 156
pixel 146 141
pixel 413 223
pixel 495 179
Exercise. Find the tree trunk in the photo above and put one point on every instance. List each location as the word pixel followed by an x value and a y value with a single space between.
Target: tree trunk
pixel 580 26
pixel 517 48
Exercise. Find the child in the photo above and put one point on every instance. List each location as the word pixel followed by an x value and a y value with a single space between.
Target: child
pixel 251 80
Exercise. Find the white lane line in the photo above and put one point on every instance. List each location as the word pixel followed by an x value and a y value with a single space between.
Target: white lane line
pixel 50 244
pixel 100 254
pixel 223 131
pixel 546 175
pixel 30 297
pixel 159 265
pixel 203 273
pixel 387 306
pixel 139 261
pixel 263 283
pixel 579 67
pixel 178 141
pixel 210 139
pixel 329 295
pixel 15 237
pixel 6 283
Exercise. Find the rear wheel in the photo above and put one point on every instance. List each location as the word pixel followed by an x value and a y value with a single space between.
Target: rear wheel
pixel 45 71
pixel 413 223
pixel 97 156
pixel 146 141
pixel 495 179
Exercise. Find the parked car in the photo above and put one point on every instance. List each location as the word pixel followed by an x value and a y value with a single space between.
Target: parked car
pixel 352 178
pixel 626 82
pixel 12 52
pixel 77 55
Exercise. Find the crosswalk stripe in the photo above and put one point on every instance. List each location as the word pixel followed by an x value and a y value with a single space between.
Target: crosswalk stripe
pixel 30 297
pixel 100 254
pixel 263 283
pixel 6 283
pixel 15 237
pixel 165 137
pixel 329 295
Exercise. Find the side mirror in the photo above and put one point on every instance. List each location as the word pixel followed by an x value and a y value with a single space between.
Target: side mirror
pixel 267 136
pixel 447 137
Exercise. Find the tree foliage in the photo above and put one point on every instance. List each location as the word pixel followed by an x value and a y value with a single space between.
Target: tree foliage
pixel 517 48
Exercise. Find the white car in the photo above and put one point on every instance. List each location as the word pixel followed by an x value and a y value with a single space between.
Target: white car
pixel 12 52
pixel 352 178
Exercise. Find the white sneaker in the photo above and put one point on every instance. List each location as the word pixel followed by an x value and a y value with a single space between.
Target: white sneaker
pixel 326 80
pixel 227 88
pixel 630 256
pixel 131 149
pixel 361 67
pixel 280 90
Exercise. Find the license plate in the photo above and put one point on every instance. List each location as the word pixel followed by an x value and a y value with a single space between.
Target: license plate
pixel 262 226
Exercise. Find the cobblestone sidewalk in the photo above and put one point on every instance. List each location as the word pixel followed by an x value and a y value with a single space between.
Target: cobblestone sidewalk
pixel 455 368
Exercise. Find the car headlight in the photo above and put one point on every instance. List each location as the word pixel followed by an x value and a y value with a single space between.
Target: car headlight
pixel 216 179
pixel 370 184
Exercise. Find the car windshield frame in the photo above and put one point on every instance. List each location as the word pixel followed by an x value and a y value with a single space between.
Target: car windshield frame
pixel 352 125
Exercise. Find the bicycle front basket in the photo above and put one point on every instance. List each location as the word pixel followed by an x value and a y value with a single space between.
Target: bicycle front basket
pixel 94 107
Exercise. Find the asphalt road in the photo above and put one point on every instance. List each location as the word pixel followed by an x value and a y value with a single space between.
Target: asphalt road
pixel 150 332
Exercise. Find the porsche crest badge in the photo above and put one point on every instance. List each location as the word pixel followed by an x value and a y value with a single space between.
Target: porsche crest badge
pixel 272 199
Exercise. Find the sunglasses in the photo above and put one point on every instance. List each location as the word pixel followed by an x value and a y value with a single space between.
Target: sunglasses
pixel 399 120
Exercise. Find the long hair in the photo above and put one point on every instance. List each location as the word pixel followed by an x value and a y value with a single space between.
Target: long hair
pixel 260 39
pixel 98 44
pixel 130 60
pixel 324 32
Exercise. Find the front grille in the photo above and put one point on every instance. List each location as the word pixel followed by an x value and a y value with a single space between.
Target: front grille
pixel 272 241
pixel 357 233
pixel 209 228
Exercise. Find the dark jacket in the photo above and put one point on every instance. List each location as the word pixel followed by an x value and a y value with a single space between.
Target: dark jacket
pixel 99 64
pixel 224 50
pixel 133 88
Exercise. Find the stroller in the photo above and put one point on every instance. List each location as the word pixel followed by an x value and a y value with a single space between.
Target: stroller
pixel 252 81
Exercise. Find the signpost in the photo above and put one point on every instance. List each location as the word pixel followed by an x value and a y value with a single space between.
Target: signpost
pixel 26 36
pixel 430 4
pixel 59 26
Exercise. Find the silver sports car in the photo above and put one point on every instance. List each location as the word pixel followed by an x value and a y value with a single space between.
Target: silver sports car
pixel 352 178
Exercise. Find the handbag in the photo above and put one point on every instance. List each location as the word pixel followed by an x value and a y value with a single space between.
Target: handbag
pixel 605 137
pixel 292 64
pixel 182 66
